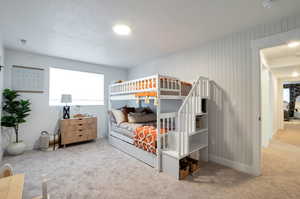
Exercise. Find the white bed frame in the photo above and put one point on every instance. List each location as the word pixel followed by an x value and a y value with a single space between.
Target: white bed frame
pixel 182 137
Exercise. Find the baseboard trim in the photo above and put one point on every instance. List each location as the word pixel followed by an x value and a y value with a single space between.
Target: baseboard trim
pixel 234 165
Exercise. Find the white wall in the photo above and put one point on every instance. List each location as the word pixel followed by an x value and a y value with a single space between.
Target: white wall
pixel 266 107
pixel 275 93
pixel 227 62
pixel 1 89
pixel 280 113
pixel 45 117
pixel 270 118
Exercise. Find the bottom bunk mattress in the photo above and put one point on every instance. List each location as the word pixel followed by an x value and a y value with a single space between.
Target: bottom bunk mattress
pixel 145 137
pixel 127 129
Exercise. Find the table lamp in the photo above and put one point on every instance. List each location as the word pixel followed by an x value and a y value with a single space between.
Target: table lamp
pixel 67 99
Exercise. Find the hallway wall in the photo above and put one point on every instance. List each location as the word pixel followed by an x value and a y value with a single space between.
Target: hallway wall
pixel 269 106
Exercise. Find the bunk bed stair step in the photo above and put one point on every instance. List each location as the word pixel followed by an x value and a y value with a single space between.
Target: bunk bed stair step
pixel 199 132
pixel 171 161
pixel 172 153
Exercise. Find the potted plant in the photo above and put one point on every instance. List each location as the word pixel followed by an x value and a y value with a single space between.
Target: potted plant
pixel 14 113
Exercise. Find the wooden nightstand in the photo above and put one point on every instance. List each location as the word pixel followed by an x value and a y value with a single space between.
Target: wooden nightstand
pixel 78 130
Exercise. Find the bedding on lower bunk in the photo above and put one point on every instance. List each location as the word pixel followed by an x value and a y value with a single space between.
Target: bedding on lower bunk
pixel 136 125
pixel 143 135
pixel 145 138
pixel 127 129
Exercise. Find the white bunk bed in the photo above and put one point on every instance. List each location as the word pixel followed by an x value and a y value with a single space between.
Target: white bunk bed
pixel 186 123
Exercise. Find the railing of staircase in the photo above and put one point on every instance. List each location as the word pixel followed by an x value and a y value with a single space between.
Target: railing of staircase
pixel 186 115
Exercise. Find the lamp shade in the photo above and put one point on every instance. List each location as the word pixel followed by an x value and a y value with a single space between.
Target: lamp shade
pixel 66 98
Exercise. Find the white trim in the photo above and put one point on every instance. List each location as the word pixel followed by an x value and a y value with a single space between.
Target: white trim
pixel 121 137
pixel 133 151
pixel 232 164
pixel 257 45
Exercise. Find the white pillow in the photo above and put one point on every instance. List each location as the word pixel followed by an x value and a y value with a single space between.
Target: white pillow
pixel 119 116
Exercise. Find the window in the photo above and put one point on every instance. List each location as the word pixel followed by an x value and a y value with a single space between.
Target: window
pixel 85 88
pixel 286 95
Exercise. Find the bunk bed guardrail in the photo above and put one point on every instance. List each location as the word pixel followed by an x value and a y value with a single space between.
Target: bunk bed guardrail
pixel 146 84
pixel 168 126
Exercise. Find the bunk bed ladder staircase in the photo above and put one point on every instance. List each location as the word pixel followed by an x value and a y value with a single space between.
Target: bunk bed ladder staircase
pixel 191 134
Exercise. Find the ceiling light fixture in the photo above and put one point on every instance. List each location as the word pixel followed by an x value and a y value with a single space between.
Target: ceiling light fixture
pixel 293 44
pixel 267 3
pixel 122 29
pixel 295 74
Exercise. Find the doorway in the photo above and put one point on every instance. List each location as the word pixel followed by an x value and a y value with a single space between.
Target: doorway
pixel 258 45
pixel 280 89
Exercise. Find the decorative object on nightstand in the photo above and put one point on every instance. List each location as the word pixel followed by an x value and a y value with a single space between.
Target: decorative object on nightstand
pixel 78 130
pixel 67 99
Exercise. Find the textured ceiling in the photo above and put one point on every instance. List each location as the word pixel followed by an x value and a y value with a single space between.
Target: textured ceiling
pixel 81 30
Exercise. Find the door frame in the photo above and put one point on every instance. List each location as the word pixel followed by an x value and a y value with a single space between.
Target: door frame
pixel 257 45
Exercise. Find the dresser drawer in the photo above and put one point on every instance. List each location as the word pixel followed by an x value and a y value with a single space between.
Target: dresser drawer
pixel 81 121
pixel 80 127
pixel 75 138
pixel 78 130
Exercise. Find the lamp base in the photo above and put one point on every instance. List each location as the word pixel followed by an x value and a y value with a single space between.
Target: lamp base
pixel 66 112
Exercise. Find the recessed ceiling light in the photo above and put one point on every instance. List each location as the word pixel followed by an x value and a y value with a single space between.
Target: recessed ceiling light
pixel 293 44
pixel 267 3
pixel 122 29
pixel 295 74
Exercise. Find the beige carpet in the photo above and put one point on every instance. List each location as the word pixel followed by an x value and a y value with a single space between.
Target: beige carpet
pixel 291 134
pixel 97 170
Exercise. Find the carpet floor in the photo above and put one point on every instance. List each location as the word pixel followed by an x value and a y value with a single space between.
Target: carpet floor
pixel 97 170
pixel 291 133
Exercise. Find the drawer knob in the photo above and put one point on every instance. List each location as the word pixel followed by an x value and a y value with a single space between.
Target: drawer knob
pixel 80 129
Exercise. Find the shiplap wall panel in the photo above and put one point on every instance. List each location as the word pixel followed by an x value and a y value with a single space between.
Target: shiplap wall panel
pixel 227 62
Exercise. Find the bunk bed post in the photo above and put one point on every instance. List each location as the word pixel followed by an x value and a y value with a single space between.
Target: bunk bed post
pixel 109 109
pixel 180 93
pixel 158 137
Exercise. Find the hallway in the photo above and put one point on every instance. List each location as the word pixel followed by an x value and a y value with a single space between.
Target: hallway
pixel 291 134
pixel 281 160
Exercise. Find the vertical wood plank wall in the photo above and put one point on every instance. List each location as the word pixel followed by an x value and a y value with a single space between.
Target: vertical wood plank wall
pixel 1 89
pixel 227 62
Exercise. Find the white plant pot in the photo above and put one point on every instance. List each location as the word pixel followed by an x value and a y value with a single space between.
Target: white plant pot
pixel 16 148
